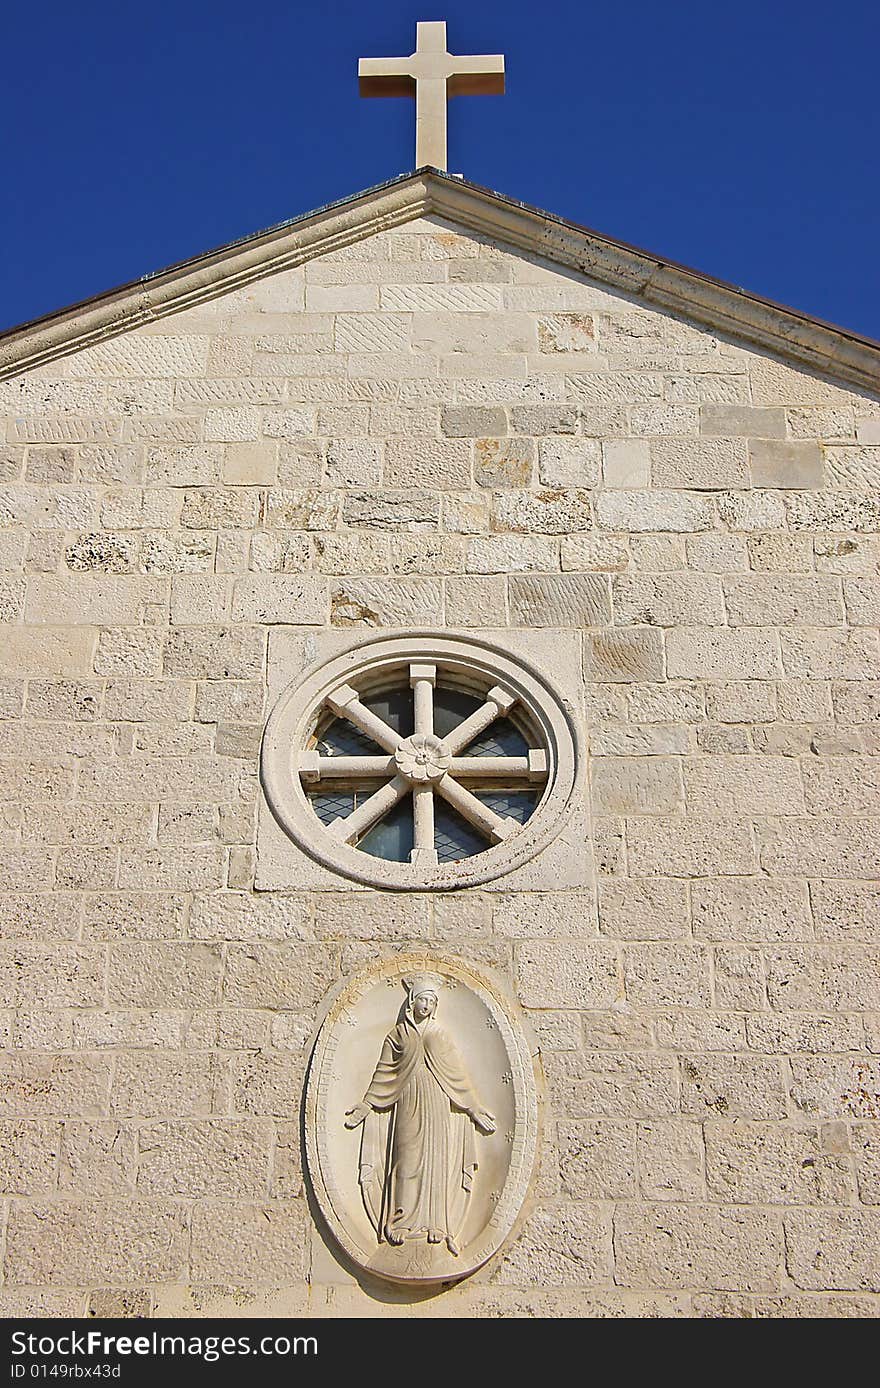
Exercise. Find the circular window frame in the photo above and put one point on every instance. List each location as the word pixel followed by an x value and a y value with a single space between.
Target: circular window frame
pixel 472 663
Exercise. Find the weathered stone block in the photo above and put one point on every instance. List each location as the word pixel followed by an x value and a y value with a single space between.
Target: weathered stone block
pixel 567 600
pixel 642 511
pixel 572 974
pixel 693 1245
pixel 115 1241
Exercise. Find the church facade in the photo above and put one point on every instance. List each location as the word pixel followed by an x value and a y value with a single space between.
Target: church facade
pixel 435 593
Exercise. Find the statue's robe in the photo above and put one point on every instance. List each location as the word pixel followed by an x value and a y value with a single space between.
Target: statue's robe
pixel 417 1168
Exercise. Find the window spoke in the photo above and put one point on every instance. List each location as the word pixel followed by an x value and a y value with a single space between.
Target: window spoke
pixel 495 827
pixel 345 702
pixel 498 702
pixel 370 811
pixel 530 768
pixel 314 768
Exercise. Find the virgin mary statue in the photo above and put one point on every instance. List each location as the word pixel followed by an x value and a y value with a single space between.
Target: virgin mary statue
pixel 418 1148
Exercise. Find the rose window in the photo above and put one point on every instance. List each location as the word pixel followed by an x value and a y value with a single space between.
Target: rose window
pixel 422 763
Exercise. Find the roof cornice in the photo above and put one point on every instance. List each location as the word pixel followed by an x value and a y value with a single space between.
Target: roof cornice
pixel 834 351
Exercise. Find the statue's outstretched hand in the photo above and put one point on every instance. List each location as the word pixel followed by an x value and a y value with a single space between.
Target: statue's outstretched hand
pixel 356 1115
pixel 484 1121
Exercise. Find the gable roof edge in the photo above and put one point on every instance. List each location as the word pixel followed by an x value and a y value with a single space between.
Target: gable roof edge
pixel 722 307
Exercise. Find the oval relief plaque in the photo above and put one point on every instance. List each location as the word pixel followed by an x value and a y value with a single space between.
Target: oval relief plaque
pixel 421 1119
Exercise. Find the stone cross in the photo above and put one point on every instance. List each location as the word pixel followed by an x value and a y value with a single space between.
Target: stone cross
pixel 434 75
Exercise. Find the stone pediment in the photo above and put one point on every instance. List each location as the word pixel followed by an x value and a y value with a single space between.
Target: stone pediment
pixel 659 283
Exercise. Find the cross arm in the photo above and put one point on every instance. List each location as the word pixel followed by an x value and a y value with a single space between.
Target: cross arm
pixel 477 76
pixel 385 77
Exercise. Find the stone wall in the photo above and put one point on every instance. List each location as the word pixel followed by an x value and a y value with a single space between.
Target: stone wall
pixel 425 429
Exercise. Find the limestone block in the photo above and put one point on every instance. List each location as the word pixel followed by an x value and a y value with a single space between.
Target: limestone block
pixel 250 464
pixel 430 299
pixel 38 1086
pixel 599 552
pixel 830 510
pixel 154 1084
pixel 150 975
pixel 575 974
pixel 643 910
pixel 717 654
pixel 502 554
pixel 678 847
pixel 642 511
pixel 537 915
pixel 385 510
pixel 214 653
pixel 143 354
pixel 194 466
pixel 123 915
pixel 664 975
pixel 277 976
pixel 827 977
pixel 813 600
pixel 751 511
pixel 692 1030
pixel 570 462
pixel 110 1241
pixel 504 462
pixel 294 601
pixel 836 1251
pixel 743 420
pixel 539 420
pixel 597 1160
pixel 636 785
pixel 266 1084
pixel 625 656
pixel 732 1086
pixel 238 916
pixel 626 463
pixel 856 702
pixel 748 784
pixel 472 421
pixel 28 1157
pixel 566 332
pixel 670 1158
pixel 751 909
pixel 215 1158
pixel 703 464
pixel 853 469
pixel 467 600
pixel 739 978
pixel 842 785
pixel 783 1033
pixel 242 1244
pixel 668 600
pixel 757 1164
pixel 97 1159
pixel 846 910
pixel 199 867
pixel 390 916
pixel 697 1246
pixel 742 701
pixel 615 387
pixel 824 848
pixel 564 1245
pixel 567 600
pixel 426 462
pixel 375 602
pixel 862 601
pixel 830 654
pixel 548 512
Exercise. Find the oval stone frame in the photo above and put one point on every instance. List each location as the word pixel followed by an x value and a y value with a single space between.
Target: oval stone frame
pixel 359 1013
pixel 469 662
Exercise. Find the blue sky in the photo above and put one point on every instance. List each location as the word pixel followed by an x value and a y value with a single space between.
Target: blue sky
pixel 742 139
